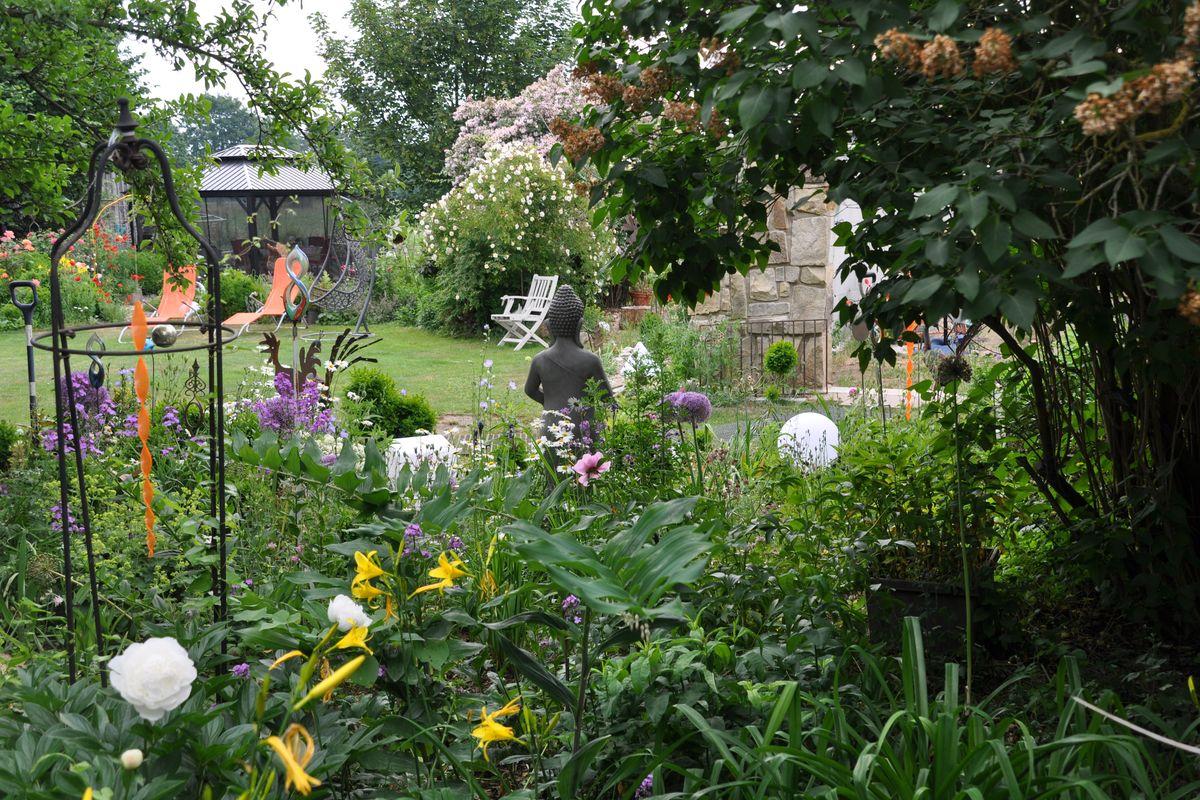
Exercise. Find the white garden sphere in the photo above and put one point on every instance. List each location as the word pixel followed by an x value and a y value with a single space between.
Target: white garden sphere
pixel 809 439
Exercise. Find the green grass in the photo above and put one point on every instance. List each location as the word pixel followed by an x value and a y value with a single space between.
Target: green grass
pixel 445 370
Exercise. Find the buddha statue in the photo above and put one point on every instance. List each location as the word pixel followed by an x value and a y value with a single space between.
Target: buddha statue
pixel 558 375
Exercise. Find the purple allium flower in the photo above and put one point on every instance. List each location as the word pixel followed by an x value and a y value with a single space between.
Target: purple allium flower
pixel 694 407
pixel 241 670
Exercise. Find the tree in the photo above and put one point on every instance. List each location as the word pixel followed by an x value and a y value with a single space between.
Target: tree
pixel 226 122
pixel 61 73
pixel 521 121
pixel 414 61
pixel 1030 166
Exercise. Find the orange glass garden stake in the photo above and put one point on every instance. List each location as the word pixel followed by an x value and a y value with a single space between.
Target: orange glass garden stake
pixel 141 386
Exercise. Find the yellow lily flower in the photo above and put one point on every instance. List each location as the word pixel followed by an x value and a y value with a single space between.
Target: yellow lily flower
pixel 389 609
pixel 365 591
pixel 446 571
pixel 332 682
pixel 356 637
pixel 295 750
pixel 366 566
pixel 489 731
pixel 286 657
pixel 87 794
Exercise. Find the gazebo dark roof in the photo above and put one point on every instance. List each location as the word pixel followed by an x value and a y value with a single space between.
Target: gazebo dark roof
pixel 236 174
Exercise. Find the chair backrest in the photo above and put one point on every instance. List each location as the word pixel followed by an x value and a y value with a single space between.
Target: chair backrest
pixel 541 292
pixel 280 281
pixel 176 302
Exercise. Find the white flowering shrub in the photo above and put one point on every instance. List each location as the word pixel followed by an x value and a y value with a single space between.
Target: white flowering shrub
pixel 512 217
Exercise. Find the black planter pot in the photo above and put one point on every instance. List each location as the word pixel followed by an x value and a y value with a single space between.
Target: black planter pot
pixel 941 607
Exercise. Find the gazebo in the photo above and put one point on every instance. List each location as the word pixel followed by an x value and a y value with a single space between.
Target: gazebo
pixel 240 204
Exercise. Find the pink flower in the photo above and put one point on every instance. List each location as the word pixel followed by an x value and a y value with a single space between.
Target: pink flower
pixel 8 236
pixel 589 466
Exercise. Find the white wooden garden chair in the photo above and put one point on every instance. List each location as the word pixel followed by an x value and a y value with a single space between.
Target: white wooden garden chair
pixel 524 314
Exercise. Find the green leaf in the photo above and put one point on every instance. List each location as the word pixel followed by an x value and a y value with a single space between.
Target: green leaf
pixel 755 105
pixel 1032 225
pixel 1123 245
pixel 737 18
pixel 943 15
pixel 994 236
pixel 577 765
pixel 531 668
pixel 1080 262
pixel 1180 245
pixel 967 283
pixel 1085 68
pixel 808 74
pixel 923 289
pixel 973 208
pixel 934 201
pixel 1095 233
pixel 852 71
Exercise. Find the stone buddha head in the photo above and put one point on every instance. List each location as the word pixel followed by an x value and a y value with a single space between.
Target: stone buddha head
pixel 564 318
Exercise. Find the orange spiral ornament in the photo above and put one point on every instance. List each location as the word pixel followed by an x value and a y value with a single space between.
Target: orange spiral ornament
pixel 141 386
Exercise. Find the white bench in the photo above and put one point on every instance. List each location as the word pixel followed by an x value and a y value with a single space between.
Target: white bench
pixel 524 314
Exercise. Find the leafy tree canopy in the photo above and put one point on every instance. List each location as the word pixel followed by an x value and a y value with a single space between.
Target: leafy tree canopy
pixel 226 123
pixel 1029 165
pixel 412 62
pixel 61 71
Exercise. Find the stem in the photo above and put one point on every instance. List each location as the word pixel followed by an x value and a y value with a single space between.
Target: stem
pixel 962 543
pixel 699 463
pixel 584 674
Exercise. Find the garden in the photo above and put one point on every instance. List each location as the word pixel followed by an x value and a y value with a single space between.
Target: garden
pixel 376 551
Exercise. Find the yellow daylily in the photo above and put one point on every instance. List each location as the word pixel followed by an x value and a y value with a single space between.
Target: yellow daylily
pixel 295 750
pixel 87 794
pixel 356 637
pixel 446 572
pixel 286 657
pixel 489 731
pixel 365 591
pixel 366 566
pixel 332 682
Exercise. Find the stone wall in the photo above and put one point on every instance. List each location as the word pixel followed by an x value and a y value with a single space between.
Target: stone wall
pixel 795 284
pixel 789 299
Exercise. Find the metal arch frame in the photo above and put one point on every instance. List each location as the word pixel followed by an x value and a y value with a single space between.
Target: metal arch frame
pixel 128 152
pixel 360 325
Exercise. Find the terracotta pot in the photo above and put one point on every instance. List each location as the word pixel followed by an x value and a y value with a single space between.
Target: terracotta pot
pixel 641 297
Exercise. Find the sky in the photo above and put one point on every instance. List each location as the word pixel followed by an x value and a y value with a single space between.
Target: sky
pixel 291 44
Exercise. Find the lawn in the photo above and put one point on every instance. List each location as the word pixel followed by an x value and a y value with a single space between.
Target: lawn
pixel 444 370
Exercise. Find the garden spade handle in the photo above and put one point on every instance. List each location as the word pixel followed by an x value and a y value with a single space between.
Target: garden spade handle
pixel 26 309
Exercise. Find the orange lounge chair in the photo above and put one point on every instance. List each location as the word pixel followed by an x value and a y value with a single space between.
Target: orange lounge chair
pixel 175 304
pixel 274 306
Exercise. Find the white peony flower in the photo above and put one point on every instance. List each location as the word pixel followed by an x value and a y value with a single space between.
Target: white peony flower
pixel 154 676
pixel 132 759
pixel 347 614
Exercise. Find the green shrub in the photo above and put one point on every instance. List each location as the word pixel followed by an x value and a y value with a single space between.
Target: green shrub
pixel 399 287
pixel 513 216
pixel 8 438
pixel 236 288
pixel 392 412
pixel 781 359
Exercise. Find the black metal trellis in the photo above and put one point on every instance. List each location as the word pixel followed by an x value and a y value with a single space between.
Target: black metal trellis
pixel 128 152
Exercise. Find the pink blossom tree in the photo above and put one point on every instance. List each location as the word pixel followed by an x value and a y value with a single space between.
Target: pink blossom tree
pixel 521 121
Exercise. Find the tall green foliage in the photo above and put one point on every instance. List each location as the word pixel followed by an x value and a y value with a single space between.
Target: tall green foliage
pixel 412 63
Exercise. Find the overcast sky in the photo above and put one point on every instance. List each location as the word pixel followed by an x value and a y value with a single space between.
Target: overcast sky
pixel 290 42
